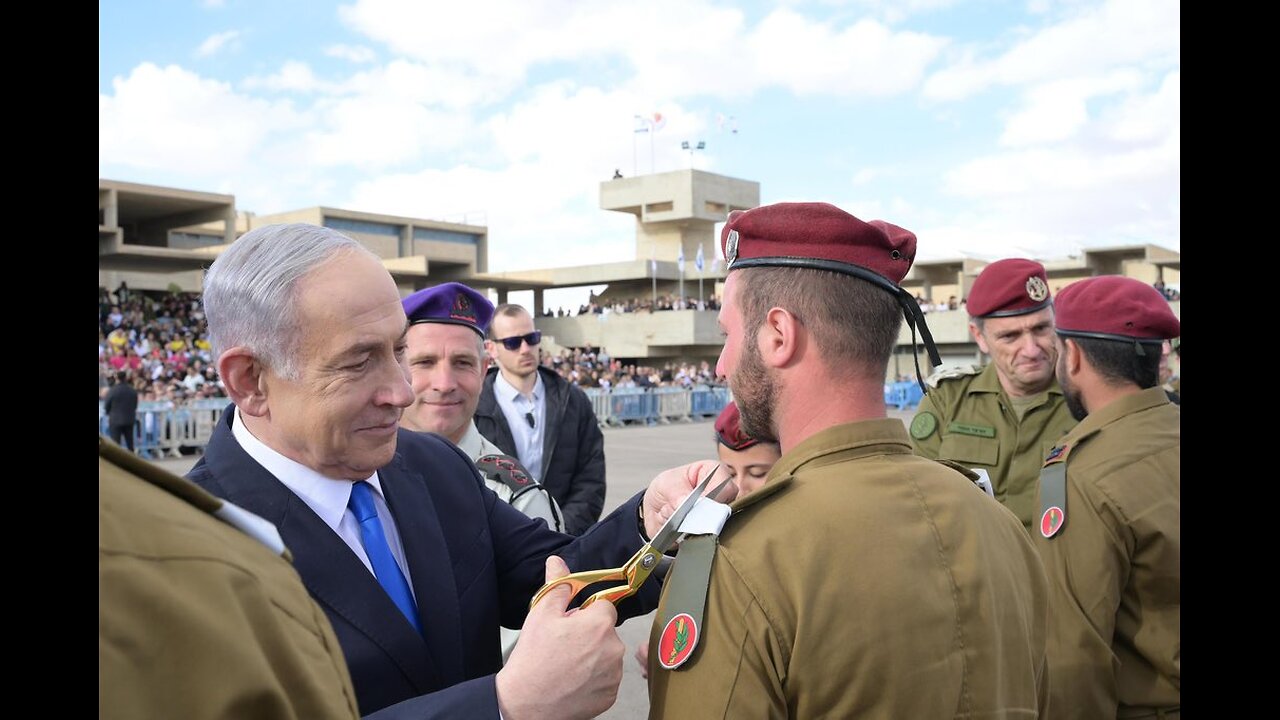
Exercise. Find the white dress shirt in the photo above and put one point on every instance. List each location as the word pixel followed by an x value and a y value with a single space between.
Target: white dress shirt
pixel 515 405
pixel 326 497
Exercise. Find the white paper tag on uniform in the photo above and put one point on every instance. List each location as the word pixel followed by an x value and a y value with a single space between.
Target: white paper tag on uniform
pixel 706 518
pixel 984 481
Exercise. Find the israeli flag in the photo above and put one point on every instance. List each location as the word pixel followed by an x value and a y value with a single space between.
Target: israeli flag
pixel 680 259
pixel 698 262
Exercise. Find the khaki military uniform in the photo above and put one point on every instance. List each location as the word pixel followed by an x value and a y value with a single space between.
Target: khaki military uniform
pixel 1115 586
pixel 967 418
pixel 864 581
pixel 196 619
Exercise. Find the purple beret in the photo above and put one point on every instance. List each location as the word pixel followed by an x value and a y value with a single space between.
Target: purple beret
pixel 819 236
pixel 729 429
pixel 1112 307
pixel 1009 287
pixel 452 303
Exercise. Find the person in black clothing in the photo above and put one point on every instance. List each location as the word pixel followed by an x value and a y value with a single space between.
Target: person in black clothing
pixel 121 405
pixel 535 415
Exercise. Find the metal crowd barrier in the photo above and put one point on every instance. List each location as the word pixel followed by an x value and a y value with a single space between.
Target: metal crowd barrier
pixel 162 429
pixel 656 405
pixel 903 395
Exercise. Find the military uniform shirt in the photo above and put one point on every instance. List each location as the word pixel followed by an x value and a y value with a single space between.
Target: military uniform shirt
pixel 968 419
pixel 196 619
pixel 1114 567
pixel 864 581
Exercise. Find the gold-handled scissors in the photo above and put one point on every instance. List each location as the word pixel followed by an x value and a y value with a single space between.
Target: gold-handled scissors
pixel 637 570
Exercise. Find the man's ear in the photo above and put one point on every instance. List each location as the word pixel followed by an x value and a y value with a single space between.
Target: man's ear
pixel 781 339
pixel 1074 357
pixel 244 377
pixel 491 348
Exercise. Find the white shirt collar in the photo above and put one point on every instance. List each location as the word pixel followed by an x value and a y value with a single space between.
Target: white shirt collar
pixel 325 496
pixel 508 390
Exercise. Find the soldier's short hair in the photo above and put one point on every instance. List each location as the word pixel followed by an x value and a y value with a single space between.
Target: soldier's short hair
pixel 1117 362
pixel 852 321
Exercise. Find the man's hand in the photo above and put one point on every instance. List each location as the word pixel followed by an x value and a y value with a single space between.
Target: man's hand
pixel 671 487
pixel 642 657
pixel 567 663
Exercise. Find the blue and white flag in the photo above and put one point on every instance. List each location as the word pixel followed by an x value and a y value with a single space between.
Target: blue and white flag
pixel 680 259
pixel 698 262
pixel 653 266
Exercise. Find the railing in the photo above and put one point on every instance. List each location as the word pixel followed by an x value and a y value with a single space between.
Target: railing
pixel 162 429
pixel 657 405
pixel 903 395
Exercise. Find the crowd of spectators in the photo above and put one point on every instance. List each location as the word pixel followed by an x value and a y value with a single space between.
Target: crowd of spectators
pixel 1169 293
pixel 588 367
pixel 604 306
pixel 160 341
pixel 928 305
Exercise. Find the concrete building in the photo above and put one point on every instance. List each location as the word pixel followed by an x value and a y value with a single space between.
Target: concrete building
pixel 155 238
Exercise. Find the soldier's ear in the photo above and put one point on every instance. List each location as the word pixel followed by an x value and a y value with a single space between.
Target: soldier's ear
pixel 1072 357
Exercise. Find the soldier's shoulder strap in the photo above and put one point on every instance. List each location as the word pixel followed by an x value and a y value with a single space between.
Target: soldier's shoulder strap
pixel 952 373
pixel 1053 482
pixel 685 589
pixel 508 471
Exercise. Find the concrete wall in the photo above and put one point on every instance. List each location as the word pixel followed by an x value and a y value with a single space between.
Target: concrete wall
pixel 639 334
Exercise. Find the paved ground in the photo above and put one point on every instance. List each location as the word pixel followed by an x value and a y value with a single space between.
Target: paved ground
pixel 633 456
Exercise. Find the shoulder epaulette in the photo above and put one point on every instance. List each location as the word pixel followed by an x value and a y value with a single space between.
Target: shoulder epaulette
pixel 508 471
pixel 952 373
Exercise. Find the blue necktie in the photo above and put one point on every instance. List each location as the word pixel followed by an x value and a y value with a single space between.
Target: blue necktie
pixel 379 552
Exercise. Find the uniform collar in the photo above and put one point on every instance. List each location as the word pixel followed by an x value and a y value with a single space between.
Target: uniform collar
pixel 1125 406
pixel 850 441
pixel 474 444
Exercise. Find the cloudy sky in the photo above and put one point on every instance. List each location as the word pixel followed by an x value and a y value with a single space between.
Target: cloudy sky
pixel 989 128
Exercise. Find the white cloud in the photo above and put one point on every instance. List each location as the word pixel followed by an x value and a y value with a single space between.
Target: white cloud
pixel 170 118
pixel 1058 110
pixel 293 76
pixel 216 42
pixel 673 48
pixel 1116 180
pixel 213 3
pixel 351 53
pixel 1145 33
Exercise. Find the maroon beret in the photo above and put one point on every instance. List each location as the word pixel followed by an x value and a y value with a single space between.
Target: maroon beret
pixel 729 429
pixel 1112 307
pixel 819 236
pixel 452 303
pixel 1009 287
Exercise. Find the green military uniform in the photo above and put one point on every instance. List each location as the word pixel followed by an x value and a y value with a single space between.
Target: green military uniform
pixel 967 418
pixel 196 619
pixel 863 581
pixel 1114 566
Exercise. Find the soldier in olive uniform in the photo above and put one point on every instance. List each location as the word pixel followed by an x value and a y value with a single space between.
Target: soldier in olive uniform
pixel 1110 527
pixel 861 580
pixel 1002 418
pixel 196 617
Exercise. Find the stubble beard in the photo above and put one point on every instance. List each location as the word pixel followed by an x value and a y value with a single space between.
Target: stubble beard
pixel 756 393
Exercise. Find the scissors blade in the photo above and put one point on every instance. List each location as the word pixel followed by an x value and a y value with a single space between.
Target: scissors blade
pixel 666 537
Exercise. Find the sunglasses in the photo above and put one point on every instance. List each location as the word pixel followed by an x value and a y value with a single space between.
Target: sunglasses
pixel 513 343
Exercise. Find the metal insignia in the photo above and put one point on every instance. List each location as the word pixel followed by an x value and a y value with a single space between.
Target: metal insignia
pixel 1037 290
pixel 731 248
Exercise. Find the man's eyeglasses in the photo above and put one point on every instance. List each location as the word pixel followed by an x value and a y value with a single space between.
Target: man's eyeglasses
pixel 513 343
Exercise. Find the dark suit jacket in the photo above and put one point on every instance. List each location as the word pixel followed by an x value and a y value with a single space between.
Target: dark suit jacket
pixel 121 404
pixel 572 447
pixel 474 560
